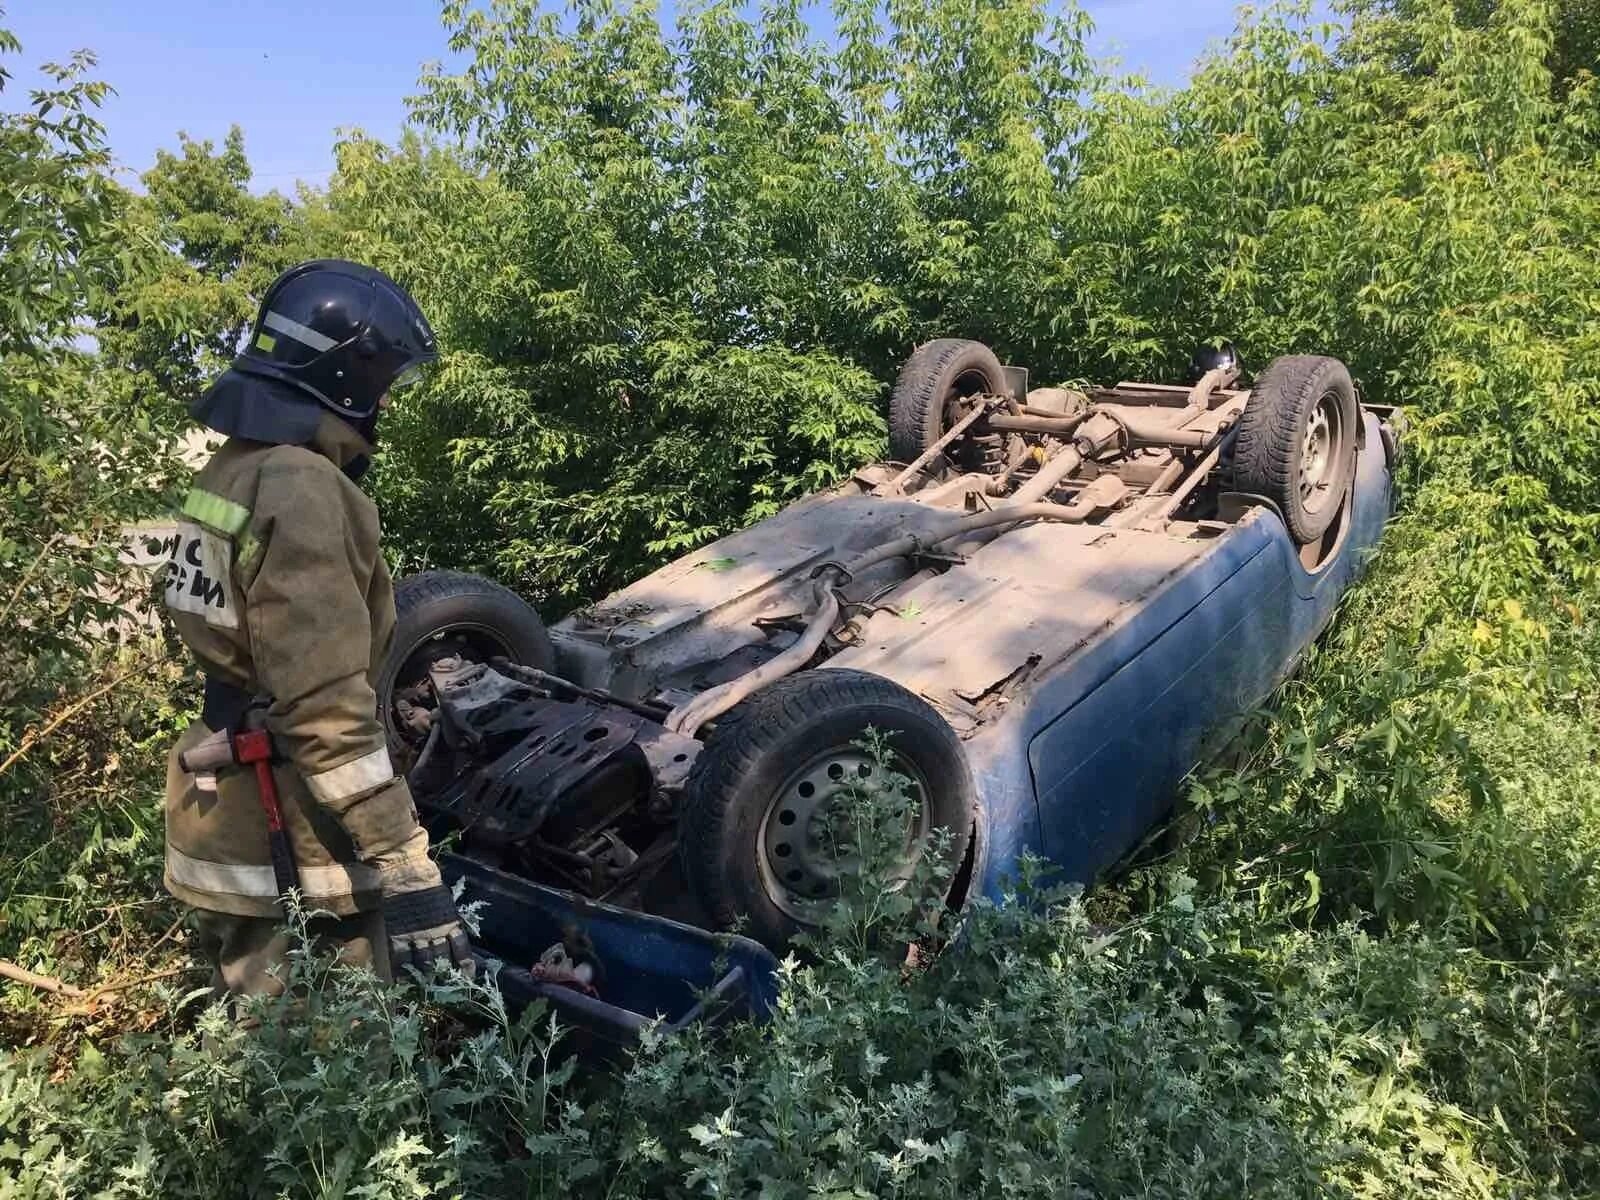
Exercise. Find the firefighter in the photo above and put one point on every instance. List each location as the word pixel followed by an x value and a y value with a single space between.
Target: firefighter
pixel 275 582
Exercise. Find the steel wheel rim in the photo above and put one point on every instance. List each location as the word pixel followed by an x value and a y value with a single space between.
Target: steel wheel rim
pixel 799 871
pixel 479 643
pixel 1320 451
pixel 475 642
pixel 971 382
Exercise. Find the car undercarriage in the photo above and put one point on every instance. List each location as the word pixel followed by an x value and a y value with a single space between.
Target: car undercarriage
pixel 682 747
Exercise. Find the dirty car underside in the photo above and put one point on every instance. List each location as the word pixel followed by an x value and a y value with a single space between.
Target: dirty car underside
pixel 677 748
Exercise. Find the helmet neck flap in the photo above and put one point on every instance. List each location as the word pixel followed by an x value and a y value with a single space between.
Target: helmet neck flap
pixel 264 410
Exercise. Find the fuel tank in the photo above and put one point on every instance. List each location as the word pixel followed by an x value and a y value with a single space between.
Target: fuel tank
pixel 734 595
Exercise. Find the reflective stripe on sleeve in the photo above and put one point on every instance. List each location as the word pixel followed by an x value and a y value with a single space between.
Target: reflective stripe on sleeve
pixel 237 879
pixel 303 334
pixel 352 778
pixel 215 511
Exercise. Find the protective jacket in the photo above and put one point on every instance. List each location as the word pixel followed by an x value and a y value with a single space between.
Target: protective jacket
pixel 275 582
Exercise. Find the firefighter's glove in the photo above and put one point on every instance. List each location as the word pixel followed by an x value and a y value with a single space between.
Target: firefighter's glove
pixel 420 916
pixel 418 911
pixel 424 928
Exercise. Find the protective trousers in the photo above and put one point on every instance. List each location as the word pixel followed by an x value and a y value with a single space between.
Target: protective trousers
pixel 250 955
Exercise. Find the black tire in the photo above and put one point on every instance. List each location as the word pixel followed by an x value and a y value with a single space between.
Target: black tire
pixel 1273 456
pixel 937 374
pixel 740 781
pixel 444 612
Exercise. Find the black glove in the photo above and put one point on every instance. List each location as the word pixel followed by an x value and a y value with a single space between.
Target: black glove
pixel 424 928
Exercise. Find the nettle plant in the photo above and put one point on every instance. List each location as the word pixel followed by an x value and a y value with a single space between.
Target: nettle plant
pixel 1026 1052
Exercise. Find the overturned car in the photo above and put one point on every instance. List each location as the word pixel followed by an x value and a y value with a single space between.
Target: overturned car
pixel 1052 602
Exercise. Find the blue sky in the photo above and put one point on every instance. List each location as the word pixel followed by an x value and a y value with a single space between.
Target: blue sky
pixel 293 72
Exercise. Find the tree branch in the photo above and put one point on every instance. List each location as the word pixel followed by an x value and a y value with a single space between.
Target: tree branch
pixel 34 736
pixel 45 983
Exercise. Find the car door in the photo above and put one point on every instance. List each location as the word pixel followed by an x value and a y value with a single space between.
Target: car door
pixel 1189 666
pixel 1106 769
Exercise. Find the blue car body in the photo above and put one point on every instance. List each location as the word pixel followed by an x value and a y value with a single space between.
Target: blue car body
pixel 1093 760
pixel 1086 668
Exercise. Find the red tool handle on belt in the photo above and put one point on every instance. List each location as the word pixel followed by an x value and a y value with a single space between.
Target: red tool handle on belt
pixel 254 746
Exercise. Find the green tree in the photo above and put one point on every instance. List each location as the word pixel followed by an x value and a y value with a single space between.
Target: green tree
pixel 73 455
pixel 83 454
pixel 623 375
pixel 177 322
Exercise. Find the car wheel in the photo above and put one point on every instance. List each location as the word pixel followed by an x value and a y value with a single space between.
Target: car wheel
pixel 755 837
pixel 935 377
pixel 442 614
pixel 1297 441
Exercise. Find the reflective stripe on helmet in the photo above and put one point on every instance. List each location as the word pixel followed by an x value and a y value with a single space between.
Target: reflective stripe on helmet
pixel 352 778
pixel 215 511
pixel 303 334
